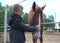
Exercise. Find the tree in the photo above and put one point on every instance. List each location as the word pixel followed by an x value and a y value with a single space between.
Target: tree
pixel 9 11
pixel 25 18
pixel 49 19
pixel 0 5
pixel 2 11
pixel 59 24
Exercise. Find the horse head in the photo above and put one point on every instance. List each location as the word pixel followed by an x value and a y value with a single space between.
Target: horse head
pixel 37 9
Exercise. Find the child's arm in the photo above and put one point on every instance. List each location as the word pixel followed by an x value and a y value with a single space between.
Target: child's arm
pixel 17 23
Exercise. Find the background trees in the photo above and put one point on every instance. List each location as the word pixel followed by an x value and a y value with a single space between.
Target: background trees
pixel 49 19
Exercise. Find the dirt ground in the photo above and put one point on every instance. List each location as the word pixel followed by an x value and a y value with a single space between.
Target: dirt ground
pixel 48 37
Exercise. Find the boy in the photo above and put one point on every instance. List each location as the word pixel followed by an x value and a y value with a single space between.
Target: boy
pixel 17 26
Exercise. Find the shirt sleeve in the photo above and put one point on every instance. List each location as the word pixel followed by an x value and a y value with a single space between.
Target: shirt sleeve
pixel 20 26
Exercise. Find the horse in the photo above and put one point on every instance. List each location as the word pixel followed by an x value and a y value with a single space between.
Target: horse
pixel 33 19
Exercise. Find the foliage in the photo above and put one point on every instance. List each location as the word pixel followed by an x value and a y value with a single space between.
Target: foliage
pixel 25 18
pixel 59 24
pixel 1 13
pixel 49 19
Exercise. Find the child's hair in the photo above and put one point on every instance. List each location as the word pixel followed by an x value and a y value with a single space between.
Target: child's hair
pixel 17 7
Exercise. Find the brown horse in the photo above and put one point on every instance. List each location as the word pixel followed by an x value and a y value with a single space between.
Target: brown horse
pixel 33 19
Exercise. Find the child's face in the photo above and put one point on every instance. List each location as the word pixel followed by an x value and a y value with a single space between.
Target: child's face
pixel 19 12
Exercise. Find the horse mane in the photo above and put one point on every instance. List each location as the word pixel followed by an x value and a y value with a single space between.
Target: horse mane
pixel 31 13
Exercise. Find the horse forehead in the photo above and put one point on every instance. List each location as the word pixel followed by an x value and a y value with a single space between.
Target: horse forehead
pixel 38 8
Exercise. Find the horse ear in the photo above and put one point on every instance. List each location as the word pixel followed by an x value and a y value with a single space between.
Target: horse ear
pixel 34 5
pixel 43 7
